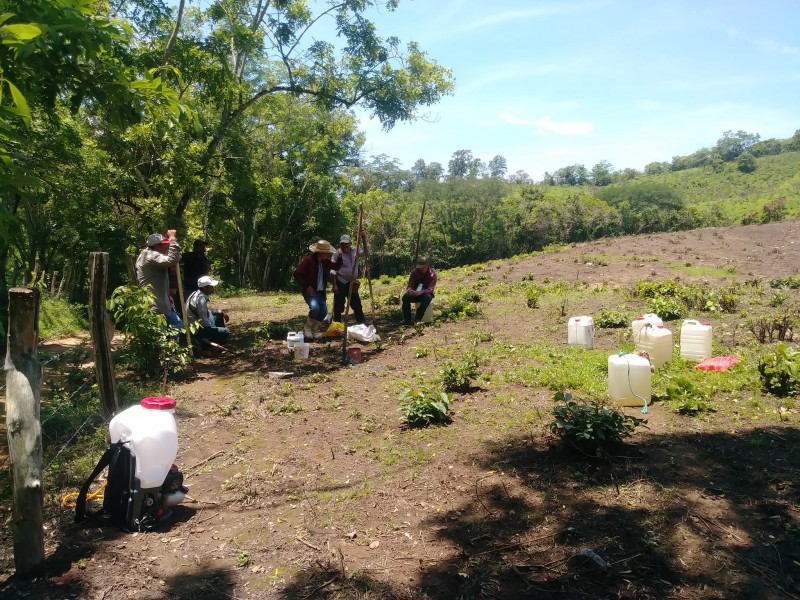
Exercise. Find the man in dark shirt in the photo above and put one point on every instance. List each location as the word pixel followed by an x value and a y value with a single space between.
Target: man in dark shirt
pixel 420 288
pixel 195 265
pixel 312 275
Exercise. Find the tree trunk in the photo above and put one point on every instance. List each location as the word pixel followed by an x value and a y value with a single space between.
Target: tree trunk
pixel 23 389
pixel 101 338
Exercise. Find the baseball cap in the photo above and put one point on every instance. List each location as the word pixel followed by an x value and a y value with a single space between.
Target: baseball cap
pixel 154 239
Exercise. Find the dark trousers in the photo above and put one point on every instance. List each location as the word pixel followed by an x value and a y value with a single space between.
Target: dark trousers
pixel 218 334
pixel 424 300
pixel 339 299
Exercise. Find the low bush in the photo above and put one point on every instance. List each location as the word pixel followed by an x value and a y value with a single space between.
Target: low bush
pixel 151 347
pixel 457 376
pixel 780 371
pixel 591 428
pixel 686 397
pixel 422 406
pixel 611 319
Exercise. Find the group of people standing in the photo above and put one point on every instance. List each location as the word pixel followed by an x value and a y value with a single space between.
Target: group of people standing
pixel 340 267
pixel 156 268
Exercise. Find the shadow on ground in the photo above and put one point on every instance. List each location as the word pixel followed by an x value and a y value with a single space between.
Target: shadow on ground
pixel 552 525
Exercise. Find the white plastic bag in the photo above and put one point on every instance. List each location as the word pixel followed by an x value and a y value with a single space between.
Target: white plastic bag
pixel 363 333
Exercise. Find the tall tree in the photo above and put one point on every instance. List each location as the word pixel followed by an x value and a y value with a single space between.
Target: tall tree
pixel 498 166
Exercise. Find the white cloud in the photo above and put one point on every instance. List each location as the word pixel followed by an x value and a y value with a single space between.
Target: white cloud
pixel 516 16
pixel 548 125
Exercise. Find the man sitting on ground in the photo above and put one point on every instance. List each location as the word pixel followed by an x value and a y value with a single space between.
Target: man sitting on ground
pixel 420 288
pixel 212 321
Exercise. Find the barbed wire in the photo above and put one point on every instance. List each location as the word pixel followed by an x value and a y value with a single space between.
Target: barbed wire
pixel 69 441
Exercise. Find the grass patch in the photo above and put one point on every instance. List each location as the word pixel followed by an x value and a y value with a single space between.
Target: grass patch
pixel 59 318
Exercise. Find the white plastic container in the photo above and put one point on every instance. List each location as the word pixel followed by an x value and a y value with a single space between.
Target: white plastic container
pixel 642 320
pixel 580 331
pixel 301 350
pixel 695 340
pixel 152 436
pixel 428 316
pixel 656 341
pixel 629 379
pixel 294 337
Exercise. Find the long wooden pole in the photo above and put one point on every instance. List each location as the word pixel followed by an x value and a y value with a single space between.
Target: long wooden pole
pixel 368 276
pixel 183 310
pixel 101 342
pixel 350 284
pixel 419 233
pixel 23 390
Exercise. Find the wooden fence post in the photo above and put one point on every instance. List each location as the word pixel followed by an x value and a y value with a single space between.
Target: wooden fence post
pixel 101 340
pixel 23 389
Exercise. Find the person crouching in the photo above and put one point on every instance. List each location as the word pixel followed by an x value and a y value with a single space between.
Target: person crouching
pixel 312 275
pixel 212 321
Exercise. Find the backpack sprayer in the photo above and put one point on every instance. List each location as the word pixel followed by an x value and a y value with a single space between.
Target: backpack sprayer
pixel 143 482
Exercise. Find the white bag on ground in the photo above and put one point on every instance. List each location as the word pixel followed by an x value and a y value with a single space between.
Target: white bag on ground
pixel 363 333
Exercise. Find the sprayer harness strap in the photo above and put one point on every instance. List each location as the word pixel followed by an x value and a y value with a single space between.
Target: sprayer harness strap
pixel 105 460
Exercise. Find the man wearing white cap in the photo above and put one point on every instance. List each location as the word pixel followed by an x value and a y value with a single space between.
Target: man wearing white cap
pixel 212 321
pixel 347 263
pixel 152 269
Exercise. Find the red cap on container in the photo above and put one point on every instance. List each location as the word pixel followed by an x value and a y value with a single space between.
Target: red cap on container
pixel 158 403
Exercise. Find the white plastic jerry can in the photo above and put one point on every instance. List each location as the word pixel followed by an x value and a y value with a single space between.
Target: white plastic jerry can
pixel 695 340
pixel 642 321
pixel 629 379
pixel 580 331
pixel 656 342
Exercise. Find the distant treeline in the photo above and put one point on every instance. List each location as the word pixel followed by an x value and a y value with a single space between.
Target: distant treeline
pixel 476 217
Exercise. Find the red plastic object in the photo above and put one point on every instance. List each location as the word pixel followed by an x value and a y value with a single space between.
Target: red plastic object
pixel 158 403
pixel 717 363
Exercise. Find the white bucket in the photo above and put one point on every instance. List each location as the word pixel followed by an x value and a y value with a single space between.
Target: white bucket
pixel 152 434
pixel 629 379
pixel 301 350
pixel 428 316
pixel 695 340
pixel 656 341
pixel 580 331
pixel 642 320
pixel 293 337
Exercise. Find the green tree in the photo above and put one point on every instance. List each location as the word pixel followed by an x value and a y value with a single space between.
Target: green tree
pixel 498 166
pixel 731 144
pixel 746 163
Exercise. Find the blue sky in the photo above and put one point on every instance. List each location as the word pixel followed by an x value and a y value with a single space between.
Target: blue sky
pixel 550 84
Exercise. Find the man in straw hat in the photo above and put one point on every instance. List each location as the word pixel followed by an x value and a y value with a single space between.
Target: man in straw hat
pixel 421 284
pixel 312 276
pixel 152 269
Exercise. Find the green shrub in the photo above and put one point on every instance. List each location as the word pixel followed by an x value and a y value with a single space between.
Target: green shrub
pixel 611 319
pixel 665 307
pixel 533 293
pixel 791 281
pixel 458 376
pixel 461 303
pixel 780 371
pixel 273 330
pixel 423 407
pixel 778 299
pixel 151 347
pixel 686 397
pixel 591 428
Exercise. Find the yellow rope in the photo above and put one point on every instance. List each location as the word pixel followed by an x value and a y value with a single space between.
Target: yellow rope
pixel 69 499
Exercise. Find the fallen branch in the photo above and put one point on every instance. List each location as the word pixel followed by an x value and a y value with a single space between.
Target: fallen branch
pixel 210 458
pixel 309 544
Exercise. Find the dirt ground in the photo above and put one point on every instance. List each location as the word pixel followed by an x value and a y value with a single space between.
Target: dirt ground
pixel 303 483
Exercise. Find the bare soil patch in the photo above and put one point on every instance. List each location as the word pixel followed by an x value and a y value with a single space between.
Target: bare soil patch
pixel 307 486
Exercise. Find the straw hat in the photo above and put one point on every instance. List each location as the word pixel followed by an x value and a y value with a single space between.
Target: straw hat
pixel 322 246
